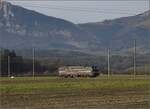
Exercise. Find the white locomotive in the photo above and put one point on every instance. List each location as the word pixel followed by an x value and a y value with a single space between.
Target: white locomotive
pixel 77 71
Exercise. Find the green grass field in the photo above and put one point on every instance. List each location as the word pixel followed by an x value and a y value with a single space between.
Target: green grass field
pixel 119 91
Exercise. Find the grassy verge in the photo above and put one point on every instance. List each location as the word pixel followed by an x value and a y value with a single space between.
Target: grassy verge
pixel 119 91
pixel 27 84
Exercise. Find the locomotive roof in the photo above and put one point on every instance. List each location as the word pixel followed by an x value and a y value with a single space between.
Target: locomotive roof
pixel 75 67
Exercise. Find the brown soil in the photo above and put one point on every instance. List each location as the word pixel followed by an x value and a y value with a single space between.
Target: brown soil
pixel 78 99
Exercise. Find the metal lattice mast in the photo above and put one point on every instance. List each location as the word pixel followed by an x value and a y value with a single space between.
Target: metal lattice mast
pixel 0 4
pixel 149 4
pixel 1 1
pixel 108 63
pixel 134 58
pixel 0 62
pixel 33 63
pixel 8 66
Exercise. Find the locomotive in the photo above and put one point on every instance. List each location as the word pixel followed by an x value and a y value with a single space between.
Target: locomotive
pixel 78 71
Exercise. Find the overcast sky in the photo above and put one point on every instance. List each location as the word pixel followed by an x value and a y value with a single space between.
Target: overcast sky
pixel 86 11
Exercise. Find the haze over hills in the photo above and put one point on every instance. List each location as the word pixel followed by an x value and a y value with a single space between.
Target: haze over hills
pixel 21 28
pixel 119 34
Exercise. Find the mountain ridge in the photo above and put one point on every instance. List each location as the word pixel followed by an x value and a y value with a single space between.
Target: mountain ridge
pixel 30 24
pixel 21 28
pixel 116 32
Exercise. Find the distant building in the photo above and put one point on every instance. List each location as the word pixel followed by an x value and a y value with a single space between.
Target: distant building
pixel 76 71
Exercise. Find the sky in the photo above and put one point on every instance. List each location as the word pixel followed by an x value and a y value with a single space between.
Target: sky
pixel 85 11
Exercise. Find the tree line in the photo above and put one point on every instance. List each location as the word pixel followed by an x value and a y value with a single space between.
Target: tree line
pixel 23 66
pixel 19 66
